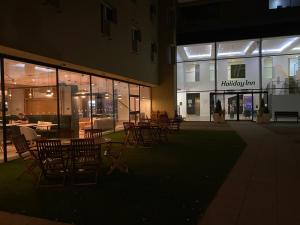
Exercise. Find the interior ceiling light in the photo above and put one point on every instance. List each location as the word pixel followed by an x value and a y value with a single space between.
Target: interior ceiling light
pixel 296 49
pixel 191 56
pixel 49 93
pixel 283 47
pixel 19 65
pixel 43 69
pixel 237 53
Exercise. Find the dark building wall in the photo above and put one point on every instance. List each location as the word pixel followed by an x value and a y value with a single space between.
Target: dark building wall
pixel 234 19
pixel 163 95
pixel 70 31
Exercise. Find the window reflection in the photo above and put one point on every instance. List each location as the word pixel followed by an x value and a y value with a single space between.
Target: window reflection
pixel 75 107
pixel 121 91
pixel 102 103
pixel 145 106
pixel 31 101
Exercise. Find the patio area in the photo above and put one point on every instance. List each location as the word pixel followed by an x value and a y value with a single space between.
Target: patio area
pixel 170 183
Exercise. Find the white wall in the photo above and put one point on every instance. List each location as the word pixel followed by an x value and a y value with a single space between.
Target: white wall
pixel 285 103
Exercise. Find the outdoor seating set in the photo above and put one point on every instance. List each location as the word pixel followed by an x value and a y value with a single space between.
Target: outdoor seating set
pixel 151 131
pixel 78 158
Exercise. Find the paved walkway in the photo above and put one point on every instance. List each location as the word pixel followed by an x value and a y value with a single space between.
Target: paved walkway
pixel 264 186
pixel 16 219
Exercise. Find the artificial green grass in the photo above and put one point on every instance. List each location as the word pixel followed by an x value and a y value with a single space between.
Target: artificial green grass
pixel 168 184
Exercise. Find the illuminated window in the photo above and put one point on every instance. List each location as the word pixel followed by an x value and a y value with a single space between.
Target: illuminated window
pixel 278 4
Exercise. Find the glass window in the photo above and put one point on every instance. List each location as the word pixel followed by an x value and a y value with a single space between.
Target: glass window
pixel 145 103
pixel 75 104
pixel 121 91
pixel 237 49
pixel 102 104
pixel 281 74
pixel 195 52
pixel 275 4
pixel 281 45
pixel 31 99
pixel 237 74
pixel 134 102
pixel 195 76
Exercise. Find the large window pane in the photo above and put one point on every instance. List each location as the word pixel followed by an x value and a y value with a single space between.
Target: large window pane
pixel 194 82
pixel 121 91
pixel 145 103
pixel 238 74
pixel 195 52
pixel 75 105
pixel 102 103
pixel 134 102
pixel 281 45
pixel 195 76
pixel 31 99
pixel 281 74
pixel 237 49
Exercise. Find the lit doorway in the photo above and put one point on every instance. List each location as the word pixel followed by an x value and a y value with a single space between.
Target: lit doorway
pixel 239 106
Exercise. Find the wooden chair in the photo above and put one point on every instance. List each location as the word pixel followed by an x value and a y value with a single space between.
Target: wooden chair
pixel 30 135
pixel 164 124
pixel 26 154
pixel 145 134
pixel 53 161
pixel 92 133
pixel 130 133
pixel 114 151
pixel 85 159
pixel 174 125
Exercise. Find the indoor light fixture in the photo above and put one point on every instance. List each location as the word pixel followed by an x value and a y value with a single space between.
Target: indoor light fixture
pixel 237 53
pixel 191 56
pixel 49 93
pixel 19 65
pixel 43 69
pixel 120 97
pixel 282 48
pixel 296 49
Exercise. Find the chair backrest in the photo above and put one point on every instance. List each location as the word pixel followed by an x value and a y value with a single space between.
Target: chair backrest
pixel 83 148
pixel 144 124
pixel 49 149
pixel 15 131
pixel 92 133
pixel 29 133
pixel 128 126
pixel 20 145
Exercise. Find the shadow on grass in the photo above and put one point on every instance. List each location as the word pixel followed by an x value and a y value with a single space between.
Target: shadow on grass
pixel 168 184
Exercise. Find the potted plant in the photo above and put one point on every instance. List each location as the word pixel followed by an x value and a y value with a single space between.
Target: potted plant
pixel 219 114
pixel 263 115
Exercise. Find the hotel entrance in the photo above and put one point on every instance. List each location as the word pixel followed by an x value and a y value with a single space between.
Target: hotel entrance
pixel 238 106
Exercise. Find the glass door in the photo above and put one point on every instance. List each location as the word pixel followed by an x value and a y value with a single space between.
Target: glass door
pixel 231 106
pixel 245 109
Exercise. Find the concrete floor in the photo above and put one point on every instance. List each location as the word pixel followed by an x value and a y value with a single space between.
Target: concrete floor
pixel 263 187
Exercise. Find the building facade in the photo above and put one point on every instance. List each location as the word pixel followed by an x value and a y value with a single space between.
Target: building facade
pixel 226 53
pixel 67 66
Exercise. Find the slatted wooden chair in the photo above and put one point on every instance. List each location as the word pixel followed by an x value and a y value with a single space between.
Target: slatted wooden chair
pixel 27 154
pixel 92 133
pixel 164 124
pixel 130 133
pixel 85 160
pixel 114 151
pixel 146 136
pixel 53 161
